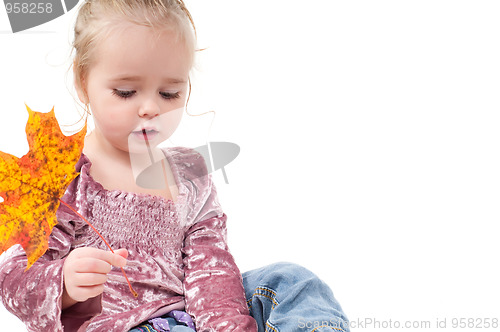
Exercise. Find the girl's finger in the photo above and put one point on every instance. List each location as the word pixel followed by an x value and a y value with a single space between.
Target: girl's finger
pixel 89 279
pixel 122 252
pixel 86 292
pixel 111 258
pixel 92 265
pixel 107 256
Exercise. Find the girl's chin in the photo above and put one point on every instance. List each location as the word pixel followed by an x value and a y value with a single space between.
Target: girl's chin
pixel 141 145
pixel 141 148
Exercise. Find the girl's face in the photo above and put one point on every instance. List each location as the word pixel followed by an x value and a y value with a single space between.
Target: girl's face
pixel 137 88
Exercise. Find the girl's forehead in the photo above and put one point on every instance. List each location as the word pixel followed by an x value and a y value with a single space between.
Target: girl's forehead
pixel 127 34
pixel 138 39
pixel 142 50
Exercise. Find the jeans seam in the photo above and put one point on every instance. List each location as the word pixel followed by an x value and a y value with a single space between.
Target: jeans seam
pixel 264 291
pixel 271 295
pixel 269 327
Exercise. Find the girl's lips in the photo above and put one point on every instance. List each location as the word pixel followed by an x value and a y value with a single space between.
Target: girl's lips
pixel 146 134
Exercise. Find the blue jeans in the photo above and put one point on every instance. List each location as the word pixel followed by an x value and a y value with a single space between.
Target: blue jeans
pixel 286 297
pixel 289 298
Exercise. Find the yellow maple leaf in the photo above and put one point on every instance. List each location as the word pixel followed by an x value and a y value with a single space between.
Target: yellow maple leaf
pixel 31 186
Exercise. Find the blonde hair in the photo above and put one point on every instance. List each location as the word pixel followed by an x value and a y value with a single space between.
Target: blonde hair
pixel 98 18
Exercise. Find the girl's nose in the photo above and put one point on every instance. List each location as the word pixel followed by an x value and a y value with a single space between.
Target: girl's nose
pixel 149 109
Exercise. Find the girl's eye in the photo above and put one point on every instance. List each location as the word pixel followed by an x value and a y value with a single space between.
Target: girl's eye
pixel 127 94
pixel 123 94
pixel 170 95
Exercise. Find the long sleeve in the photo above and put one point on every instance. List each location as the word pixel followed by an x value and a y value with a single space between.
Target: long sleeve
pixel 214 291
pixel 35 295
pixel 213 287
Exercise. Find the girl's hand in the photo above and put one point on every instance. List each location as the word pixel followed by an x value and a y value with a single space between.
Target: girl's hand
pixel 86 270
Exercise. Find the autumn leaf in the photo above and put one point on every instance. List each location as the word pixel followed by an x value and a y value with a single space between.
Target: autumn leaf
pixel 32 185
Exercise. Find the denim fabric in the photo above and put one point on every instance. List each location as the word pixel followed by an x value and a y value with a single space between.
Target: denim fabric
pixel 289 298
pixel 173 325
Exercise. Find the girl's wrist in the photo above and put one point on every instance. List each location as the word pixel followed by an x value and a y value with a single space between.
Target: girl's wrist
pixel 67 301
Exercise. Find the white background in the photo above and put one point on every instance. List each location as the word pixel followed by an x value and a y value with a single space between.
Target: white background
pixel 369 142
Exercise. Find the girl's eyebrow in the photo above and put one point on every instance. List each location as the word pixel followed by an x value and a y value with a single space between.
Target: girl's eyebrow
pixel 138 78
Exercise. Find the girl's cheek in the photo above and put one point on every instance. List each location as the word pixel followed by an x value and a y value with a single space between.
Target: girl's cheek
pixel 116 112
pixel 110 119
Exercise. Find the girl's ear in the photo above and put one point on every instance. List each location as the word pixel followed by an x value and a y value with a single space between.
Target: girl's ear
pixel 80 88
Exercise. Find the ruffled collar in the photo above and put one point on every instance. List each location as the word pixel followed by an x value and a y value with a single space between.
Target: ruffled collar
pixel 83 167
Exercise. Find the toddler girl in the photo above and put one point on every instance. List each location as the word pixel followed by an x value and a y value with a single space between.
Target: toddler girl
pixel 131 66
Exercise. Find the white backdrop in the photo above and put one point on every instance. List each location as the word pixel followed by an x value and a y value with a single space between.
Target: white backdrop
pixel 369 143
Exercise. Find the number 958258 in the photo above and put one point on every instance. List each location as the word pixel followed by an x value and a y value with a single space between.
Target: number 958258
pixel 474 323
pixel 28 7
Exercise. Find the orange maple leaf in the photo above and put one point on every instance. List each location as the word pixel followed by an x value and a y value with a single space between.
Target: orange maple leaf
pixel 32 185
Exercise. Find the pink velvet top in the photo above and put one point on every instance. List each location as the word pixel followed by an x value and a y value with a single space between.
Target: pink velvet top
pixel 178 257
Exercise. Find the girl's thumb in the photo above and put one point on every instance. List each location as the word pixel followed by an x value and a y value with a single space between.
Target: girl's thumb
pixel 122 252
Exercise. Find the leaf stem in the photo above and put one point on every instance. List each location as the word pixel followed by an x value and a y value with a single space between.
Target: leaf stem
pixel 95 230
